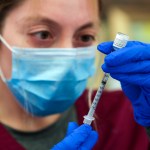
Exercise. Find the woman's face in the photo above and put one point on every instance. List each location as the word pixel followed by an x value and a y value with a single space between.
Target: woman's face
pixel 49 23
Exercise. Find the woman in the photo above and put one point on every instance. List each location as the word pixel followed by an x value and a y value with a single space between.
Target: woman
pixel 46 58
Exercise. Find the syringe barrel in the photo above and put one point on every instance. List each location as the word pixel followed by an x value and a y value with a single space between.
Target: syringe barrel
pixel 98 95
pixel 119 42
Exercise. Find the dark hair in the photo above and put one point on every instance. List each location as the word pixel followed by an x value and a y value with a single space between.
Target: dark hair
pixel 7 5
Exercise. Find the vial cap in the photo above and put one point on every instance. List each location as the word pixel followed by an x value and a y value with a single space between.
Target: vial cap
pixel 120 40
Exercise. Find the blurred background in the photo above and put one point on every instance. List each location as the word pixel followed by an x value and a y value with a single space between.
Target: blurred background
pixel 128 16
pixel 131 17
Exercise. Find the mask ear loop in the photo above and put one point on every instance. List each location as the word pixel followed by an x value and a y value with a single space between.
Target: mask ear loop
pixel 5 43
pixel 2 75
pixel 8 46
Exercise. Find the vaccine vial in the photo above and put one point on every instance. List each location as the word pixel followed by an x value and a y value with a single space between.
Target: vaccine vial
pixel 120 41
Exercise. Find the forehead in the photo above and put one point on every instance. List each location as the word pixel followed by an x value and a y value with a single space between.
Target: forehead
pixel 58 10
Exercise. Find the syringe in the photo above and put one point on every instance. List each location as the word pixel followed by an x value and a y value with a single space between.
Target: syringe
pixel 119 42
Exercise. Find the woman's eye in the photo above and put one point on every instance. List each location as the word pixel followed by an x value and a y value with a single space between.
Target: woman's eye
pixel 87 38
pixel 84 40
pixel 41 38
pixel 43 35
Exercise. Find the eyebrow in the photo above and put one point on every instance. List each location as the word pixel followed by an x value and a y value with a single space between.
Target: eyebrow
pixel 88 25
pixel 48 21
pixel 38 19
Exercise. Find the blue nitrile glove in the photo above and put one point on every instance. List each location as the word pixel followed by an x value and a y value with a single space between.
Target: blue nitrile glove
pixel 78 138
pixel 131 66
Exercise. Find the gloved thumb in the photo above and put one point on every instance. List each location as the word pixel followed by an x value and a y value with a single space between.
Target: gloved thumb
pixel 90 141
pixel 131 91
pixel 75 140
pixel 71 127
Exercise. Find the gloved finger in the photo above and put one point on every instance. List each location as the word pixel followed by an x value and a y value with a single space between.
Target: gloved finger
pixel 136 79
pixel 90 141
pixel 107 47
pixel 136 67
pixel 78 136
pixel 71 127
pixel 128 54
pixel 81 132
pixel 75 140
pixel 134 43
pixel 132 91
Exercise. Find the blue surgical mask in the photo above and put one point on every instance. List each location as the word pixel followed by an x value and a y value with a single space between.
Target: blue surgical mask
pixel 49 80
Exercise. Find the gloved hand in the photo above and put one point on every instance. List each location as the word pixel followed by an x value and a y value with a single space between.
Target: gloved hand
pixel 131 66
pixel 78 138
